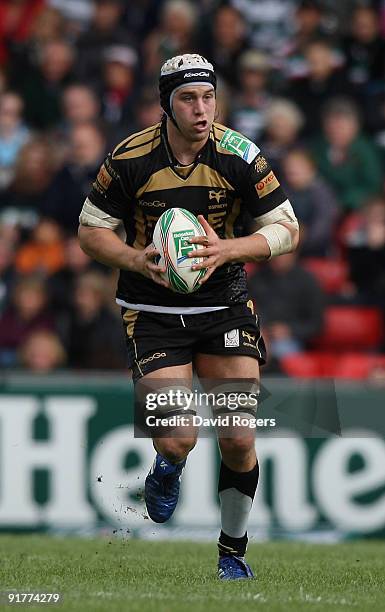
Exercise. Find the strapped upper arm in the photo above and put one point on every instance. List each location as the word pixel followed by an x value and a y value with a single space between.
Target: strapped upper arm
pixel 280 228
pixel 92 216
pixel 108 199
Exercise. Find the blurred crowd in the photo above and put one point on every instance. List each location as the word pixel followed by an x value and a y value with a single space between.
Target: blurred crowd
pixel 304 79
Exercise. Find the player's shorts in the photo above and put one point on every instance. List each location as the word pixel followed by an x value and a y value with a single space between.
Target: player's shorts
pixel 159 340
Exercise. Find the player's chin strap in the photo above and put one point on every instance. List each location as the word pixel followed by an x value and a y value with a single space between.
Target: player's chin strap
pixel 279 237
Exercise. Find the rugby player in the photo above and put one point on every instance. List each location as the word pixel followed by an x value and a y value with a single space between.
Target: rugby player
pixel 187 160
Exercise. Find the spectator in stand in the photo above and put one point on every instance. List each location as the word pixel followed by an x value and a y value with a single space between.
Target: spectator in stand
pixel 72 183
pixel 147 112
pixel 10 232
pixel 271 22
pixel 284 121
pixel 313 201
pixel 364 50
pixel 175 35
pixel 43 253
pixel 42 352
pixel 7 271
pixel 91 333
pixel 382 17
pixel 325 79
pixel 376 122
pixel 365 244
pixel 105 31
pixel 345 157
pixel 308 26
pixel 142 17
pixel 290 303
pixel 225 42
pixel 3 80
pixel 249 106
pixel 339 14
pixel 48 25
pixel 61 285
pixel 80 105
pixel 28 312
pixel 77 14
pixel 118 92
pixel 16 21
pixel 25 196
pixel 42 89
pixel 13 134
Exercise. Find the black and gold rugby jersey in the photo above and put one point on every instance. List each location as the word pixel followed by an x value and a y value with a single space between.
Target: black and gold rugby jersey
pixel 141 179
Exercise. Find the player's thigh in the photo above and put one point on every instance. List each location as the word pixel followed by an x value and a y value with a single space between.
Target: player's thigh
pixel 177 372
pixel 226 366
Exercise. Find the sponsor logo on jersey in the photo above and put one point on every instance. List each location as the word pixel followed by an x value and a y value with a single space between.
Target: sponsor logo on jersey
pixel 249 337
pixel 239 145
pixel 232 338
pixel 151 358
pixel 196 74
pixel 216 206
pixel 104 179
pixel 267 185
pixel 217 195
pixel 261 164
pixel 154 204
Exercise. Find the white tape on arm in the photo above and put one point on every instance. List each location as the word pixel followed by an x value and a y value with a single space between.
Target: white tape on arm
pixel 279 238
pixel 92 216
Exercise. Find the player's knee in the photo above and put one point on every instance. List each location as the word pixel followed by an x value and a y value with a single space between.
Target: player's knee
pixel 175 449
pixel 238 446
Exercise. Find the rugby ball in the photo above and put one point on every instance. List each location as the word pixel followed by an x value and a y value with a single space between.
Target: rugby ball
pixel 171 234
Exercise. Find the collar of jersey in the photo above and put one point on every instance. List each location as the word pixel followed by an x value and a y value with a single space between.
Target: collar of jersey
pixel 174 163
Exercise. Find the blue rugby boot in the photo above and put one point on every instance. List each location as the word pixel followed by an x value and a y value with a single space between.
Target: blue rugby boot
pixel 233 568
pixel 161 488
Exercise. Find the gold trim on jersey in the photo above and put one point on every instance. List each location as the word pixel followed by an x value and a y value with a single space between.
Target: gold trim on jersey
pixel 220 127
pixel 140 229
pixel 201 176
pixel 129 319
pixel 139 151
pixel 138 138
pixel 229 224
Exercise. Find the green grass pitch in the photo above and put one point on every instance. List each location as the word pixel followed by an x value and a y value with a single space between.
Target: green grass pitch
pixel 118 575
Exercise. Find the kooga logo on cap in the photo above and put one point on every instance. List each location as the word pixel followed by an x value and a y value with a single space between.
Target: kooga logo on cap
pixel 196 74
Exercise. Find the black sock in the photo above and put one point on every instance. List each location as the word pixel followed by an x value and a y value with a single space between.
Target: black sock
pixel 236 492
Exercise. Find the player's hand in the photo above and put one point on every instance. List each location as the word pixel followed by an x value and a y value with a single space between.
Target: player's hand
pixel 145 264
pixel 214 250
